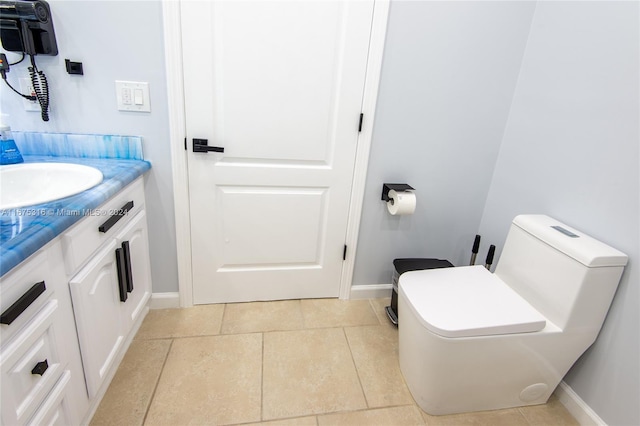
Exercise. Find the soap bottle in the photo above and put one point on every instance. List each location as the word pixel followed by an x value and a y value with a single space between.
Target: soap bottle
pixel 9 153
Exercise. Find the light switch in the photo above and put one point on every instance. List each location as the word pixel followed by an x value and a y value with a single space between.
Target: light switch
pixel 133 96
pixel 137 97
pixel 126 96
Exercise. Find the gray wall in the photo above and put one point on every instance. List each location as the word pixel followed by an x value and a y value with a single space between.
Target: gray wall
pixel 448 77
pixel 114 41
pixel 480 149
pixel 571 150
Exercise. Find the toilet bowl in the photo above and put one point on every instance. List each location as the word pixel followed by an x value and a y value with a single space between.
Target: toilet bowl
pixel 471 340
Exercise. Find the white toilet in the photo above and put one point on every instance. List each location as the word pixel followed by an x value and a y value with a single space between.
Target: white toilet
pixel 471 340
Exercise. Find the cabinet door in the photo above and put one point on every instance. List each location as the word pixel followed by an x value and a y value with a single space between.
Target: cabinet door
pixel 134 237
pixel 96 303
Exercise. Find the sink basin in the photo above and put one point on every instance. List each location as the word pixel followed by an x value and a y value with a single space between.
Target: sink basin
pixel 27 184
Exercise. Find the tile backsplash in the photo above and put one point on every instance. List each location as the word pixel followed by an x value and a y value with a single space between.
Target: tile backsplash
pixel 79 145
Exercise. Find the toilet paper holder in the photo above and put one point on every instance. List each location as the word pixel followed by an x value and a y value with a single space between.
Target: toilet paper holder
pixel 398 187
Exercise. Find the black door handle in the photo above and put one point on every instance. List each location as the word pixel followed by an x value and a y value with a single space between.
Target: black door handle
pixel 202 145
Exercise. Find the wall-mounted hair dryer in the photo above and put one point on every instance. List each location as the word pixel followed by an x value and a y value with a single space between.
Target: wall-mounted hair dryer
pixel 26 26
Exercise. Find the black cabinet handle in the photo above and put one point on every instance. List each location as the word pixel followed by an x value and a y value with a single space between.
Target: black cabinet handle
pixel 115 217
pixel 122 277
pixel 127 265
pixel 23 303
pixel 202 145
pixel 40 367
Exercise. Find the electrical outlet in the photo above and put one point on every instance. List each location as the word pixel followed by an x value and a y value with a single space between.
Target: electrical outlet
pixel 27 89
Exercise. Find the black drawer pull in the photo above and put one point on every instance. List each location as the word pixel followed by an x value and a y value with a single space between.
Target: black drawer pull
pixel 122 274
pixel 127 265
pixel 40 367
pixel 115 217
pixel 23 303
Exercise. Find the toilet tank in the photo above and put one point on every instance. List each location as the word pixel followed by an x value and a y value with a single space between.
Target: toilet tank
pixel 566 275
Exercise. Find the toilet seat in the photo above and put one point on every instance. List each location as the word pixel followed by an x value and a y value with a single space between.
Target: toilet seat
pixel 467 301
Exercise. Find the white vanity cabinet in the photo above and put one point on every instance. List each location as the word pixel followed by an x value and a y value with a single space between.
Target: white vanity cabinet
pixel 41 371
pixel 70 311
pixel 111 291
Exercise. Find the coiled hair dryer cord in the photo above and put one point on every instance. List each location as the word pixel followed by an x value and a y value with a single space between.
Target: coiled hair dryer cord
pixel 41 88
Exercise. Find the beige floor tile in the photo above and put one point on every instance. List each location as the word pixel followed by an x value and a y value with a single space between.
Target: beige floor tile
pixel 508 417
pixel 405 416
pixel 319 313
pixel 202 320
pixel 308 372
pixel 216 379
pixel 379 306
pixel 298 421
pixel 551 413
pixel 131 389
pixel 262 316
pixel 210 380
pixel 375 352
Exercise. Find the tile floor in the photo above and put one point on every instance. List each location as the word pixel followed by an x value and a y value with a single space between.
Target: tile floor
pixel 298 362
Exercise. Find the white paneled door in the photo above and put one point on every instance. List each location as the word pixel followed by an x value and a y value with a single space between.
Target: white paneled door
pixel 278 85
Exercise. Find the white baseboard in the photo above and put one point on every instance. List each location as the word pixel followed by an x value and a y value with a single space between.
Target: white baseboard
pixel 165 300
pixel 577 407
pixel 371 291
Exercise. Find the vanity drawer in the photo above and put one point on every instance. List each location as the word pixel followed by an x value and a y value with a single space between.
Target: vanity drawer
pixel 81 241
pixel 53 410
pixel 23 294
pixel 30 366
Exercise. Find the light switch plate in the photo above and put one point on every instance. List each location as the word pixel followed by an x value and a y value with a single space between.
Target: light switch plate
pixel 133 96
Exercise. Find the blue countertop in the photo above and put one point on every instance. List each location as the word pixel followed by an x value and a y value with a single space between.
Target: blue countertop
pixel 23 231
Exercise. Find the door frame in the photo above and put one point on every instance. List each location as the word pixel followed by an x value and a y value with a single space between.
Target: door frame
pixel 177 137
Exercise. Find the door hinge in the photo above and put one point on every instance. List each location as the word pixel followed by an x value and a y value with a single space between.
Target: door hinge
pixel 360 123
pixel 185 144
pixel 344 253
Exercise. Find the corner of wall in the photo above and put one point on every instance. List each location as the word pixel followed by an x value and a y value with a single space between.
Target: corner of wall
pixel 577 407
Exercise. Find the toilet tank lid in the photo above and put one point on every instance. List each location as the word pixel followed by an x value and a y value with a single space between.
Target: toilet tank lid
pixel 573 243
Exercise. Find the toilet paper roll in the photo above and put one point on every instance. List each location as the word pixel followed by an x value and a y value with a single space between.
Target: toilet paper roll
pixel 401 202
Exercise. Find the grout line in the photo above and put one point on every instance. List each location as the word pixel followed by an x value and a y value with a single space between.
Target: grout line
pixel 353 360
pixel 358 410
pixel 261 331
pixel 262 382
pixel 155 388
pixel 526 419
pixel 280 419
pixel 301 312
pixel 224 313
pixel 375 311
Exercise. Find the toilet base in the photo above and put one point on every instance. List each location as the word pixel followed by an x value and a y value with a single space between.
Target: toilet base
pixel 466 374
